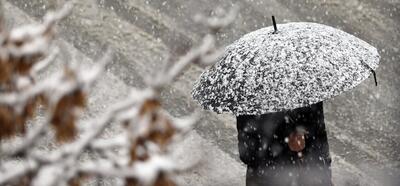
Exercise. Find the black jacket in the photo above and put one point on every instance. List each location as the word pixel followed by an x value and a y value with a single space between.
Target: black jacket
pixel 262 146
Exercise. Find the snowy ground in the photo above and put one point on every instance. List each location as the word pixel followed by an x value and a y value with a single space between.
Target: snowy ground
pixel 364 130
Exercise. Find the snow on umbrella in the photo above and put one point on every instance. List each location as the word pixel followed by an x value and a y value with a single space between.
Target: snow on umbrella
pixel 271 70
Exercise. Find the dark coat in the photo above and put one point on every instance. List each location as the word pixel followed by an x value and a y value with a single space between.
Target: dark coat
pixel 262 146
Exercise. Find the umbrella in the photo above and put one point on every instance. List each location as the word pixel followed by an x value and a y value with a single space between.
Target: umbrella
pixel 285 67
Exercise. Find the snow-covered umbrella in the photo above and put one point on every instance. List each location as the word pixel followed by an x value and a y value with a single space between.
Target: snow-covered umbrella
pixel 296 65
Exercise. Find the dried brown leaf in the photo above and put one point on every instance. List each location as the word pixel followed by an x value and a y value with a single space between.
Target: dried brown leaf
pixel 135 153
pixel 12 123
pixel 76 181
pixel 63 119
pixel 162 133
pixel 131 182
pixel 163 180
pixel 24 64
pixel 7 127
pixel 149 106
pixel 6 69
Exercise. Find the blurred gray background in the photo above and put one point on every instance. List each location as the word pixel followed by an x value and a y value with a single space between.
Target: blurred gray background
pixel 363 124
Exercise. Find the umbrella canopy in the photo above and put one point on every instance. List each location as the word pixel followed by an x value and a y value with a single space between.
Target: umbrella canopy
pixel 299 65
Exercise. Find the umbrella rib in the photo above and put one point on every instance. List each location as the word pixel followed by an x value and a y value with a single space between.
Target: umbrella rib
pixel 372 70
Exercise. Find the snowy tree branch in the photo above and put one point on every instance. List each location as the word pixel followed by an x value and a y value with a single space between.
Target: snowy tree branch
pixel 139 155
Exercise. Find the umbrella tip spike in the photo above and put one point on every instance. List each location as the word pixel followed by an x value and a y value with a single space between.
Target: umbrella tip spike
pixel 274 23
pixel 373 73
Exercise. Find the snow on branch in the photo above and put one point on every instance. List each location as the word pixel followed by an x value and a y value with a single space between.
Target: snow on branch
pixel 138 156
pixel 221 20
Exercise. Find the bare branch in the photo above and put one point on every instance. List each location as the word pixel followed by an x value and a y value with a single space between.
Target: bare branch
pixel 41 65
pixel 17 173
pixel 220 21
pixel 147 171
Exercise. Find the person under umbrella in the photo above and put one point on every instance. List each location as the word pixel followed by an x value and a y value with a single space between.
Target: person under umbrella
pixel 274 81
